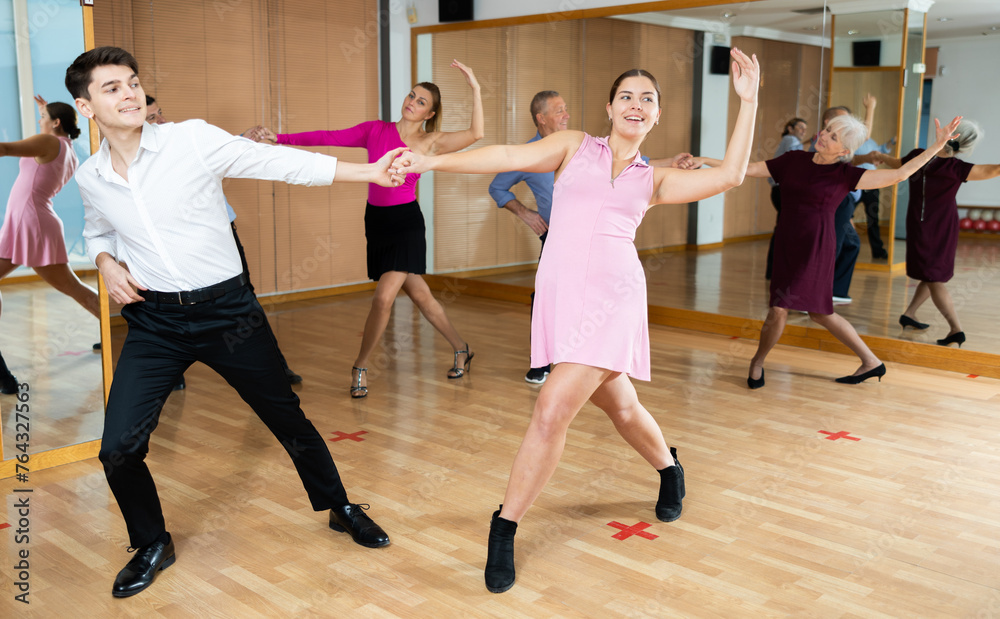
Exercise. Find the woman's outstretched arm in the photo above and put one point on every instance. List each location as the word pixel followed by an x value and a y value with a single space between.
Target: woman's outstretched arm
pixel 545 155
pixel 981 172
pixel 673 186
pixel 451 141
pixel 757 169
pixel 875 179
pixel 42 145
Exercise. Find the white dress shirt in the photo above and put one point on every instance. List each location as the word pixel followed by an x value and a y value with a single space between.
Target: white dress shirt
pixel 169 218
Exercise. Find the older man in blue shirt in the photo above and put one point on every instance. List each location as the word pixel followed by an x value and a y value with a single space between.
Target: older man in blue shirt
pixel 549 113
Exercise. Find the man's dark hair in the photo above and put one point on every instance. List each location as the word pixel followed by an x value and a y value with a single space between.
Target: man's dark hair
pixel 150 101
pixel 538 103
pixel 78 74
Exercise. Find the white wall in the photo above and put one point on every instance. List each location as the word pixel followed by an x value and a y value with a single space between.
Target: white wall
pixel 969 87
pixel 714 124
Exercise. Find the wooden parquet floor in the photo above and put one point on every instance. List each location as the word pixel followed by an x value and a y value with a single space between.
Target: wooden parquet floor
pixel 778 521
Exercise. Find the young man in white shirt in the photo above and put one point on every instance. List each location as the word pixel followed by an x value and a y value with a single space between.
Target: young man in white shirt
pixel 156 191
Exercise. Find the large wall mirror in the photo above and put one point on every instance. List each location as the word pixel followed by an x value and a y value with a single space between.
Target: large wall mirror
pixel 811 57
pixel 47 338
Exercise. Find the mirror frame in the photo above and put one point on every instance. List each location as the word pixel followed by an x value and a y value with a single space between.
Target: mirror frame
pixel 886 347
pixel 87 449
pixel 891 265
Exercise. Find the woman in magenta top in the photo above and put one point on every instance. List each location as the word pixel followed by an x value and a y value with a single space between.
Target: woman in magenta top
pixel 590 294
pixel 32 233
pixel 394 226
pixel 932 226
pixel 812 186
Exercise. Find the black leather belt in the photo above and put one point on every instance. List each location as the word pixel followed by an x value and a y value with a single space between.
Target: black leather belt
pixel 193 297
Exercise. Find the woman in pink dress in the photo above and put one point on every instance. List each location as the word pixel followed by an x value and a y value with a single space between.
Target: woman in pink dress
pixel 394 225
pixel 932 226
pixel 812 187
pixel 589 318
pixel 32 233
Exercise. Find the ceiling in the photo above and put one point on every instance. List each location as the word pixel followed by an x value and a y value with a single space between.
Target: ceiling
pixel 945 18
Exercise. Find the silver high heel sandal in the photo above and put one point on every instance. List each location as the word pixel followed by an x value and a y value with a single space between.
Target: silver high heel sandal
pixel 459 372
pixel 357 389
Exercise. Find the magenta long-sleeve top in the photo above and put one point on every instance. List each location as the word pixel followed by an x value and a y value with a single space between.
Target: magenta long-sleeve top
pixel 379 137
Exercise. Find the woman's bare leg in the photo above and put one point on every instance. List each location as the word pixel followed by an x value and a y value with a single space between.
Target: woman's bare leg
pixel 6 266
pixel 567 389
pixel 618 399
pixel 943 301
pixel 920 296
pixel 378 317
pixel 63 279
pixel 416 288
pixel 770 333
pixel 843 331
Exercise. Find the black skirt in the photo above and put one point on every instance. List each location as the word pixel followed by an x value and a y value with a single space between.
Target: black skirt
pixel 396 239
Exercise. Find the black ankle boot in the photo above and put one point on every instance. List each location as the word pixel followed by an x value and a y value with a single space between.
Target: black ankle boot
pixel 668 506
pixel 500 554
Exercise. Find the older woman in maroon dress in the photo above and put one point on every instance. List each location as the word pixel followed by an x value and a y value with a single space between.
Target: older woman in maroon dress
pixel 932 226
pixel 812 186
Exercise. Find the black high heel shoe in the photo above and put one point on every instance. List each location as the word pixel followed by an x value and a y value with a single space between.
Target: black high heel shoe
pixel 906 321
pixel 954 338
pixel 459 372
pixel 860 378
pixel 756 383
pixel 357 389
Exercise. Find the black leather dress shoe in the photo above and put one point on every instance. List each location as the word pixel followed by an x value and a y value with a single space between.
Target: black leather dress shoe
pixel 142 569
pixel 352 519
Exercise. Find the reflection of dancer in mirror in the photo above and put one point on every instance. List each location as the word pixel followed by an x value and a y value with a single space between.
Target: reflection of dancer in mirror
pixel 848 243
pixel 154 116
pixel 394 226
pixel 869 198
pixel 932 225
pixel 812 186
pixel 156 192
pixel 32 233
pixel 590 313
pixel 791 139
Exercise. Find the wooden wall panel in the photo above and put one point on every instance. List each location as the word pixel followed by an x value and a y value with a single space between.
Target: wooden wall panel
pixel 664 52
pixel 281 63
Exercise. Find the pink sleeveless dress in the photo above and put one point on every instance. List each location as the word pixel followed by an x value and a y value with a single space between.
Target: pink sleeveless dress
pixel 590 288
pixel 32 233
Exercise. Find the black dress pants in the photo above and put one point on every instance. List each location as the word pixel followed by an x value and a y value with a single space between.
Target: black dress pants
pixel 869 197
pixel 246 271
pixel 848 248
pixel 230 335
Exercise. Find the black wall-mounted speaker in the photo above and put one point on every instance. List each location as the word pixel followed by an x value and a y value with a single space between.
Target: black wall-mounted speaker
pixel 454 10
pixel 866 53
pixel 719 63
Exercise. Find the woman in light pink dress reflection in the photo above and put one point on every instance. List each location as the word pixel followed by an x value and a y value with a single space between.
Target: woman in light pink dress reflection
pixel 32 233
pixel 590 292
